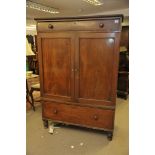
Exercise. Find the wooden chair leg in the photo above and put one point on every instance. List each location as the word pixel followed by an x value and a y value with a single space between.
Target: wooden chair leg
pixel 31 95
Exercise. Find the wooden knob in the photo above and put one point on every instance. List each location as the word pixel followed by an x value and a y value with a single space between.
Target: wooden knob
pixel 76 69
pixel 101 25
pixel 95 117
pixel 55 111
pixel 50 26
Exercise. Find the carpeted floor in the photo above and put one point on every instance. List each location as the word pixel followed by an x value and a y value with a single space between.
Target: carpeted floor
pixel 69 140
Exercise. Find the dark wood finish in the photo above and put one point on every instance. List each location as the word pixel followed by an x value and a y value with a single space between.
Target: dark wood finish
pixel 79 115
pixel 77 103
pixel 100 25
pixel 56 65
pixel 78 70
pixel 96 57
pixel 56 56
pixel 81 18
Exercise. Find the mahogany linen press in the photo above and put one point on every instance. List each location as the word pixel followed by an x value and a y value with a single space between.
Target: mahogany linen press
pixel 78 65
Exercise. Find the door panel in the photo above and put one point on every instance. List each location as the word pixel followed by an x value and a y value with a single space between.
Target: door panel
pixel 94 81
pixel 57 62
pixel 96 57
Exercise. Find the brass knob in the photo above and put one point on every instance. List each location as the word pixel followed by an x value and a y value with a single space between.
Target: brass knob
pixel 95 117
pixel 55 111
pixel 50 26
pixel 101 25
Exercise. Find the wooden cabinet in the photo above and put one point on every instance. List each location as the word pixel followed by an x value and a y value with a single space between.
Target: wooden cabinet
pixel 78 59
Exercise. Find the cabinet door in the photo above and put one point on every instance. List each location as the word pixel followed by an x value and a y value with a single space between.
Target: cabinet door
pixel 96 67
pixel 56 51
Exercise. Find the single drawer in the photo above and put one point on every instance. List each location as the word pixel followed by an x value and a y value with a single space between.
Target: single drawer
pixel 79 115
pixel 98 25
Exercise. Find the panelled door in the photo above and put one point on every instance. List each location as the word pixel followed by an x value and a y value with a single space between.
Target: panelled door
pixel 96 65
pixel 56 56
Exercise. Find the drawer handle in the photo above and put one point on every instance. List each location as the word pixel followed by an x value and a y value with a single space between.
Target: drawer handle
pixel 50 26
pixel 101 25
pixel 95 117
pixel 55 111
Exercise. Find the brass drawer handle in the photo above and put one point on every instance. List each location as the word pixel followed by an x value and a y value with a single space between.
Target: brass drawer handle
pixel 96 117
pixel 50 26
pixel 101 25
pixel 55 111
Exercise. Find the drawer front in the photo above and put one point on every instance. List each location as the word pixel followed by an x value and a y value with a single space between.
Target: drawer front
pixel 99 25
pixel 80 115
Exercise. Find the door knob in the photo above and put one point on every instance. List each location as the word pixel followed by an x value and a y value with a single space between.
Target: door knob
pixel 50 26
pixel 55 111
pixel 95 117
pixel 101 25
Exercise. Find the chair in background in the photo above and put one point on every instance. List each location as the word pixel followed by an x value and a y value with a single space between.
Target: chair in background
pixel 27 96
pixel 35 87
